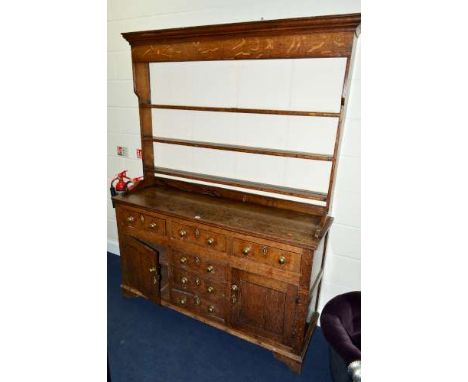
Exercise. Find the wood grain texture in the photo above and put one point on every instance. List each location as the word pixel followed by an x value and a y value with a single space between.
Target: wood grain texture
pixel 204 265
pixel 244 110
pixel 326 36
pixel 262 295
pixel 281 225
pixel 142 88
pixel 329 23
pixel 213 310
pixel 300 193
pixel 244 149
pixel 306 45
pixel 198 235
pixel 339 130
pixel 240 196
pixel 125 209
pixel 322 266
pixel 261 305
pixel 197 285
pixel 140 269
pixel 267 308
pixel 266 254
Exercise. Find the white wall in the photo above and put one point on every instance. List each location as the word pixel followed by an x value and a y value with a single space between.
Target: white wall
pixel 343 262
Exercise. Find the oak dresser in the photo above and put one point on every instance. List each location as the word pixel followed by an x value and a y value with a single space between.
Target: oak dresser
pixel 249 264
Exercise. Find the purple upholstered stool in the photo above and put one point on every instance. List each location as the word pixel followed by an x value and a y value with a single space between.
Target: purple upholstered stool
pixel 341 326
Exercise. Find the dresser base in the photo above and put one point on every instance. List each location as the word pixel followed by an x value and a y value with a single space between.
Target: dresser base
pixel 258 286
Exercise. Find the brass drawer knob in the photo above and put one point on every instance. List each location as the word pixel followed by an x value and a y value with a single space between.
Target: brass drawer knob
pixel 210 241
pixel 234 287
pixel 197 281
pixel 210 269
pixel 246 251
pixel 183 260
pixel 282 260
pixel 197 300
pixel 183 300
pixel 184 280
pixel 152 269
pixel 131 219
pixel 182 233
pixel 210 289
pixel 211 309
pixel 153 225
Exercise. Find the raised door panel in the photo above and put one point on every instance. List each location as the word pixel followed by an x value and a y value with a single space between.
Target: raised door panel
pixel 262 306
pixel 139 265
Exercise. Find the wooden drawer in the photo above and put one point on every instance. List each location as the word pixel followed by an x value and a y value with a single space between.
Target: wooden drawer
pixel 212 309
pixel 129 219
pixel 140 221
pixel 193 283
pixel 185 300
pixel 153 224
pixel 198 304
pixel 202 265
pixel 199 235
pixel 265 254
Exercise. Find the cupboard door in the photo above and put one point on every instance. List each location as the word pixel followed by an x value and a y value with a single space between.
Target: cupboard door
pixel 263 306
pixel 140 268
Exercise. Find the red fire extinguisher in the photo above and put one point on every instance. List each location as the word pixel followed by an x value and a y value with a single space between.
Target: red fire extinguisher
pixel 122 183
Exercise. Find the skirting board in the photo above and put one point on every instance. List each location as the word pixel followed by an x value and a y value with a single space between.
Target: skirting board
pixel 113 247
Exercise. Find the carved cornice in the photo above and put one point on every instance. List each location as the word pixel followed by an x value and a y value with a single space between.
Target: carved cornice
pixel 334 23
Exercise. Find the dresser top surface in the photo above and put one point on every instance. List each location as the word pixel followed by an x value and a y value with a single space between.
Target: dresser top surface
pixel 291 227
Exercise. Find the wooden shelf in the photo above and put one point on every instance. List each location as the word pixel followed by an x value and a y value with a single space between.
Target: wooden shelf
pixel 243 110
pixel 243 149
pixel 300 193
